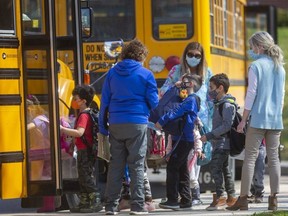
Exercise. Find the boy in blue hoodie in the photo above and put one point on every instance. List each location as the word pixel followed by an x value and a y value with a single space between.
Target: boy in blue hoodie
pixel 178 179
pixel 221 125
pixel 129 93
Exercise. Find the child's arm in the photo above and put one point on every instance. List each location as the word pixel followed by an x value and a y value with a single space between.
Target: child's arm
pixel 197 141
pixel 78 132
pixel 228 114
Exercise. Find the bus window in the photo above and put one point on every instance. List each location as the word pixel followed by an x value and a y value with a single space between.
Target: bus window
pixel 172 19
pixel 7 17
pixel 33 17
pixel 86 22
pixel 63 11
pixel 113 19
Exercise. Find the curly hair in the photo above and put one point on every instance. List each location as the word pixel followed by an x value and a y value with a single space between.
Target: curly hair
pixel 135 50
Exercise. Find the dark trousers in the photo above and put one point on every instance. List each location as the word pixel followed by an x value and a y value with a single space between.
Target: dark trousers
pixel 219 168
pixel 85 172
pixel 178 179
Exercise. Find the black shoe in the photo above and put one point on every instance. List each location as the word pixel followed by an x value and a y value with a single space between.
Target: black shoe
pixel 169 205
pixel 185 205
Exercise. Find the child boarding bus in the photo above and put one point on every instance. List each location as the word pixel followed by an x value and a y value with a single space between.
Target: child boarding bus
pixel 49 46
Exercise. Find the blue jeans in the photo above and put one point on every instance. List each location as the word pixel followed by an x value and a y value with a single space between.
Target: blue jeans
pixel 257 186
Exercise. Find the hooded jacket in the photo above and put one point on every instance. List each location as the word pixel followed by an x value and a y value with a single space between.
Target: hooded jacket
pixel 221 125
pixel 188 107
pixel 128 94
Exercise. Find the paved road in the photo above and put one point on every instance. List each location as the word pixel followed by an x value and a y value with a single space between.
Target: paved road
pixel 12 207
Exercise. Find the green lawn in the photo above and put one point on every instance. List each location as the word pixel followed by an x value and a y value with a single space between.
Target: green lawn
pixel 282 42
pixel 276 213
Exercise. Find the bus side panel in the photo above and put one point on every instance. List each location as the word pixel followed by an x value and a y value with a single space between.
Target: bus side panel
pixel 10 143
pixel 235 70
pixel 11 181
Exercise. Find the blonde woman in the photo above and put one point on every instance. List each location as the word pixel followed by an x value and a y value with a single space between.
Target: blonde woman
pixel 263 107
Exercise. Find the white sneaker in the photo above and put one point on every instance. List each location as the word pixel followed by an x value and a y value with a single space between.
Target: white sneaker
pixel 139 212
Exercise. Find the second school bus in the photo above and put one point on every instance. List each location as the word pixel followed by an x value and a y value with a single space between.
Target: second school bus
pixel 47 47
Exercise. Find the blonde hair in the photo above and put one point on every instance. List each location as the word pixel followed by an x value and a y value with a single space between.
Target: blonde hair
pixel 265 41
pixel 34 108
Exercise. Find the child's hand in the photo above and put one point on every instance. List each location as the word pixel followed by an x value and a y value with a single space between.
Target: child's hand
pixel 202 156
pixel 178 84
pixel 158 126
pixel 203 139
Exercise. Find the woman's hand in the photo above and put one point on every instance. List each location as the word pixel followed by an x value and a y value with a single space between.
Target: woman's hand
pixel 241 126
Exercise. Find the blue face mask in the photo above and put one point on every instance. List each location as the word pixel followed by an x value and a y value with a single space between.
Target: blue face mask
pixel 193 62
pixel 253 55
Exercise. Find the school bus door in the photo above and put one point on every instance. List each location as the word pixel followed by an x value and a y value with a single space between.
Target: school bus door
pixel 40 80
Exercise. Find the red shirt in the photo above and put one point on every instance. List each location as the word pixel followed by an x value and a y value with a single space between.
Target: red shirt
pixel 84 121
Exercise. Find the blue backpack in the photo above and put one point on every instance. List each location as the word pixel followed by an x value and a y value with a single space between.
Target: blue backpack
pixel 170 100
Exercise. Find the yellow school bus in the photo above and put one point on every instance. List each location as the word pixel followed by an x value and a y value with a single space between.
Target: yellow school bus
pixel 49 46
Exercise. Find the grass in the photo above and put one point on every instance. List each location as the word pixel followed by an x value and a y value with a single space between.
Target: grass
pixel 276 213
pixel 282 42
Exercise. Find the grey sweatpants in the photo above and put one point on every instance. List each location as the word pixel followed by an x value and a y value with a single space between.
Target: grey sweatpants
pixel 128 146
pixel 253 141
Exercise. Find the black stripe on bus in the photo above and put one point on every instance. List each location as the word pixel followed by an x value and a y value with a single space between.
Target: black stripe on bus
pixel 222 52
pixel 7 73
pixel 9 42
pixel 10 99
pixel 11 157
pixel 39 74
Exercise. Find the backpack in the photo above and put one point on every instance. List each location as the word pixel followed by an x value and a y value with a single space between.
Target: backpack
pixel 237 140
pixel 170 100
pixel 92 147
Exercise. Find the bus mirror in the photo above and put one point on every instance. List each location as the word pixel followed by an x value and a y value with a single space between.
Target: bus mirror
pixel 86 22
pixel 113 48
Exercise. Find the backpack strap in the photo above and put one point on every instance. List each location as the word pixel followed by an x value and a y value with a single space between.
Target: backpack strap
pixel 222 104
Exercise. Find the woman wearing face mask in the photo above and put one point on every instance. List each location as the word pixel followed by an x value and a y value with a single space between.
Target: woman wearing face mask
pixel 263 106
pixel 193 61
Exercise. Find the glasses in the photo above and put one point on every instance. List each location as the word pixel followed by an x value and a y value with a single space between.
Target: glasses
pixel 191 55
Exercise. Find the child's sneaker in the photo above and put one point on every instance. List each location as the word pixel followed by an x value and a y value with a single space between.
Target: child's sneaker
pixel 169 205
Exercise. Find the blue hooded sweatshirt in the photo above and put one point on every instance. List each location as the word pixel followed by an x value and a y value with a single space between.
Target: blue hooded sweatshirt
pixel 129 93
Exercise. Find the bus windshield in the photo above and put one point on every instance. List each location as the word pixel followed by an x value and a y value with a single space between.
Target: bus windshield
pixel 172 19
pixel 113 19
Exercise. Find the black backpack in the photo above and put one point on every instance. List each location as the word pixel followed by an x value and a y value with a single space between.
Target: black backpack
pixel 237 140
pixel 170 100
pixel 92 147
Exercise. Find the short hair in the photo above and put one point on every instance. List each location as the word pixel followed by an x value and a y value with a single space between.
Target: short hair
pixel 85 92
pixel 134 50
pixel 221 79
pixel 195 79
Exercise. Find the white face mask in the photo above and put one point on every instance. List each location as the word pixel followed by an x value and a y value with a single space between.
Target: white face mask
pixel 193 62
